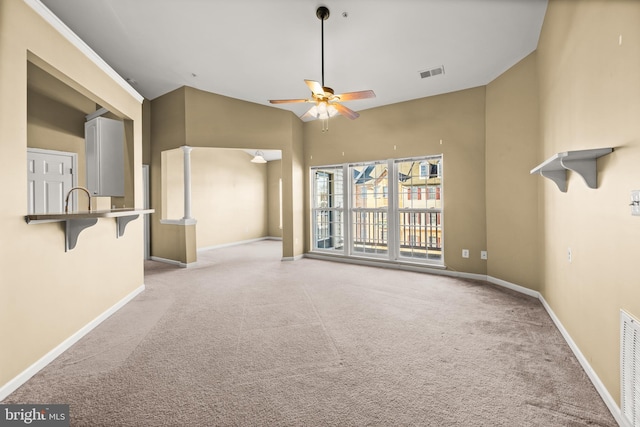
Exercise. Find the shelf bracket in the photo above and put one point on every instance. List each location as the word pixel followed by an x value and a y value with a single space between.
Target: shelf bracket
pixel 586 168
pixel 582 162
pixel 73 228
pixel 122 223
pixel 557 176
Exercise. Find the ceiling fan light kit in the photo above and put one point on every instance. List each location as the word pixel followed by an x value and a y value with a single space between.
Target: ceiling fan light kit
pixel 326 101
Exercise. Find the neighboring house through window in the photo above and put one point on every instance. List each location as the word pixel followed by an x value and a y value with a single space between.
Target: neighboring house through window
pixel 388 209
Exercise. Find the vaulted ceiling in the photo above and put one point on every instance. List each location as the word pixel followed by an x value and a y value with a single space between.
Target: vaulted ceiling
pixel 256 50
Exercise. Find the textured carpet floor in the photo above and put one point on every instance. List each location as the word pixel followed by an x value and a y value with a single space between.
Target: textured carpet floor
pixel 244 339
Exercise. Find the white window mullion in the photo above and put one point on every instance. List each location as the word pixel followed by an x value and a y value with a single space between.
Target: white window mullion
pixel 392 212
pixel 347 214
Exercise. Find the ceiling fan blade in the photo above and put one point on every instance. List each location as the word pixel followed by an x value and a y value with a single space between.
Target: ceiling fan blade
pixel 315 87
pixel 351 96
pixel 287 101
pixel 346 111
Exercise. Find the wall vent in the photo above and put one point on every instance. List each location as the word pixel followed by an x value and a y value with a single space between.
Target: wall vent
pixel 630 369
pixel 432 72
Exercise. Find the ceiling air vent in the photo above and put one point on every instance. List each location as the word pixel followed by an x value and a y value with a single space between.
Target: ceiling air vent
pixel 432 72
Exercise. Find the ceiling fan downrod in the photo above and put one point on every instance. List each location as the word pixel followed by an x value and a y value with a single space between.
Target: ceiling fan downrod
pixel 323 14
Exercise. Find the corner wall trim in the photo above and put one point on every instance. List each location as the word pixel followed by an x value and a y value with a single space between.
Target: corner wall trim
pixel 25 375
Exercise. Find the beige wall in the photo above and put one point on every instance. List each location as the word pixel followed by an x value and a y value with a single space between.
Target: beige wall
pixel 52 125
pixel 579 90
pixel 167 131
pixel 172 184
pixel 274 179
pixel 415 128
pixel 229 196
pixel 146 132
pixel 512 150
pixel 233 200
pixel 589 89
pixel 192 117
pixel 47 294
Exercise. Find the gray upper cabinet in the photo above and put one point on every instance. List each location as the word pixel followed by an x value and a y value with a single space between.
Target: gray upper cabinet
pixel 104 139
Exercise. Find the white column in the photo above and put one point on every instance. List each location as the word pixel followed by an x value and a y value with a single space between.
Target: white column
pixel 187 181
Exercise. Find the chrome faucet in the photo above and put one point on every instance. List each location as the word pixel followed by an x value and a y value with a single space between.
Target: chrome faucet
pixel 66 201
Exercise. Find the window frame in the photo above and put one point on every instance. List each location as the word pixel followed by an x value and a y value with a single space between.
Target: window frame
pixel 390 193
pixel 333 212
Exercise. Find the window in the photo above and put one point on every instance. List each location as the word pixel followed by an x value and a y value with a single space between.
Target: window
pixel 327 208
pixel 368 210
pixel 419 226
pixel 394 209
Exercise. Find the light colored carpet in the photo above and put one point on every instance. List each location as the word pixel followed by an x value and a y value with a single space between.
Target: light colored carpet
pixel 244 339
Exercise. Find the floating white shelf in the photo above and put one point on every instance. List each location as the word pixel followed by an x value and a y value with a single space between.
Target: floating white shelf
pixel 75 222
pixel 583 162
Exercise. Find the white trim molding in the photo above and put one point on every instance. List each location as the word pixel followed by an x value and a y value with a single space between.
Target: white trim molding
pixel 597 383
pixel 241 242
pixel 77 42
pixel 182 221
pixel 514 287
pixel 172 262
pixel 41 363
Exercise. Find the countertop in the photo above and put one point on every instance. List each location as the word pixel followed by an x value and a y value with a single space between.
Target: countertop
pixel 108 213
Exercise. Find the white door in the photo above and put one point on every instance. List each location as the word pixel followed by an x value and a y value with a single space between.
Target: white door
pixel 50 177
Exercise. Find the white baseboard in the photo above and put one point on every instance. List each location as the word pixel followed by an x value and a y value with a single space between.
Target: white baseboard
pixel 23 377
pixel 170 261
pixel 597 383
pixel 241 242
pixel 514 287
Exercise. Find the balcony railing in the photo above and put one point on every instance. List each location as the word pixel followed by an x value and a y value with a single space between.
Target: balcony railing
pixel 420 233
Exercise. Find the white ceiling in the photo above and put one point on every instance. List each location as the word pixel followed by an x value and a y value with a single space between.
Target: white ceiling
pixel 256 50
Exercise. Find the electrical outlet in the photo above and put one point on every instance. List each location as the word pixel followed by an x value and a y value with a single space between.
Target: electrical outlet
pixel 483 254
pixel 465 253
pixel 569 254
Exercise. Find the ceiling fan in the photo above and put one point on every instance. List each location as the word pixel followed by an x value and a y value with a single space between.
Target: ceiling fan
pixel 327 103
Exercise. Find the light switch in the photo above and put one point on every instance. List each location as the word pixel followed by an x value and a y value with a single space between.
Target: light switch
pixel 635 202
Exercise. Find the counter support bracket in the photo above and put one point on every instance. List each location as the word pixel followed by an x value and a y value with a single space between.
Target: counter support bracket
pixel 75 222
pixel 73 228
pixel 122 223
